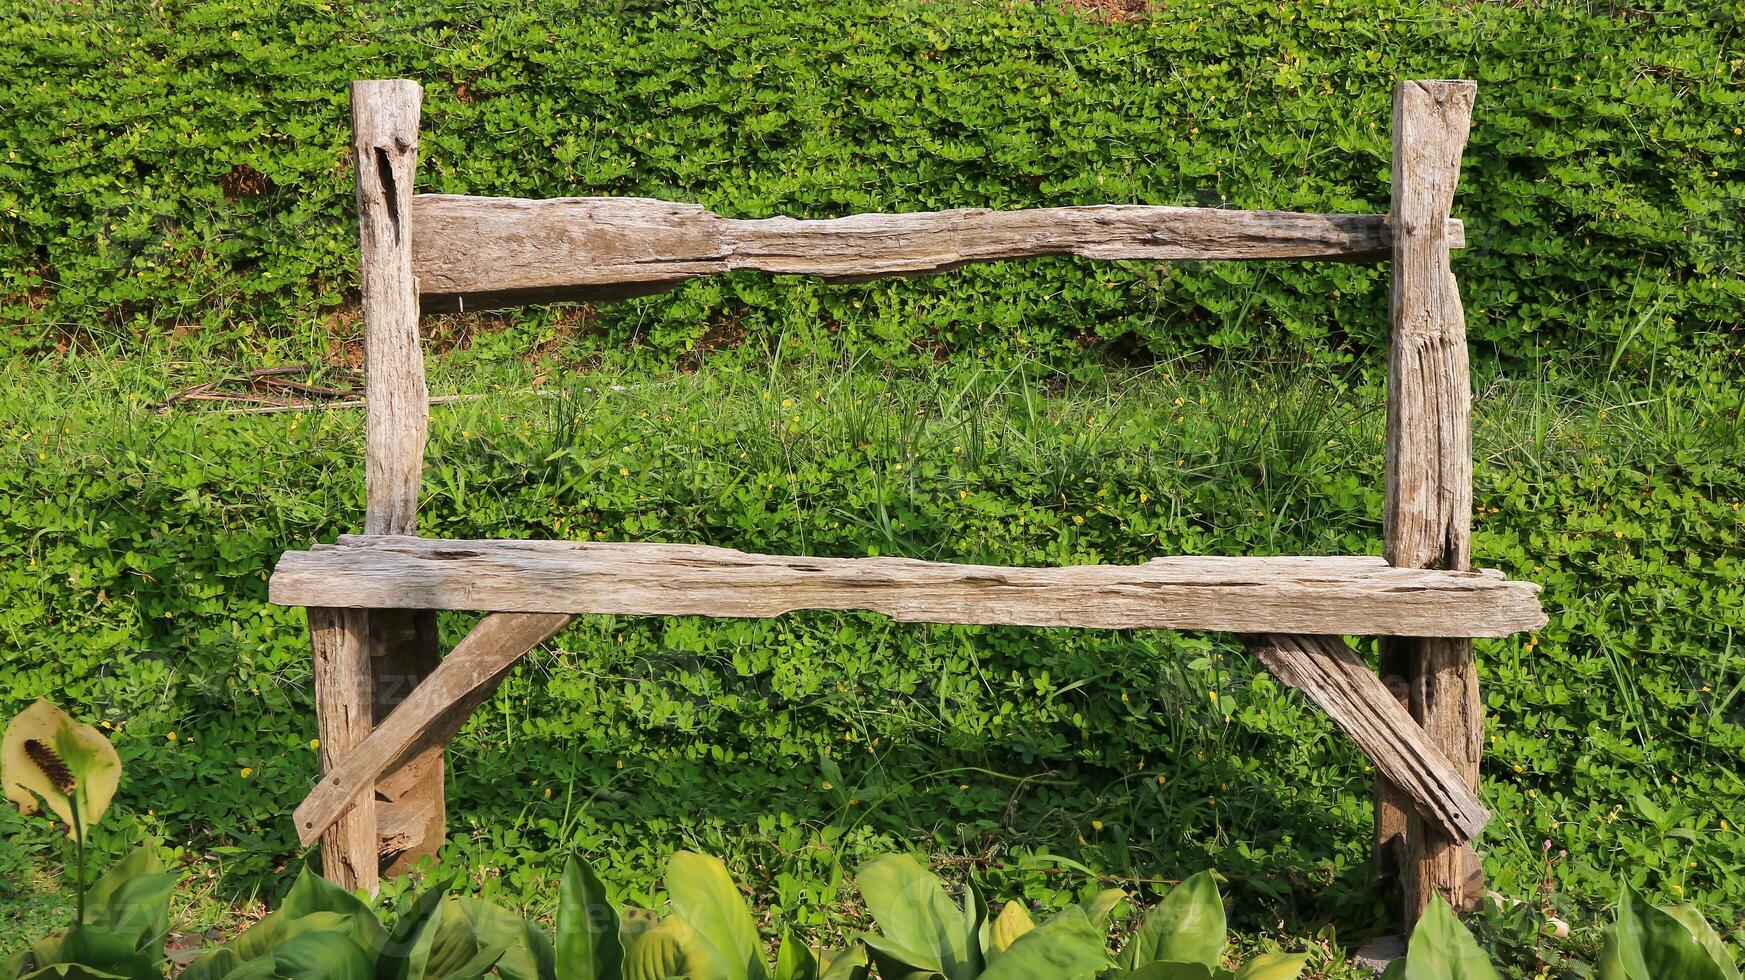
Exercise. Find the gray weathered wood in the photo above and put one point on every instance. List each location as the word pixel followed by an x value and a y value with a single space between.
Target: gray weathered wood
pixel 429 716
pixel 1337 679
pixel 402 643
pixel 1428 500
pixel 479 252
pixel 1299 595
pixel 343 718
pixel 384 119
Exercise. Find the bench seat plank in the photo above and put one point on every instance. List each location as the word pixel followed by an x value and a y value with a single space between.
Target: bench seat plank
pixel 1315 595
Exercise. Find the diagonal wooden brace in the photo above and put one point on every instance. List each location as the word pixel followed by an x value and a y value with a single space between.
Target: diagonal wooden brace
pixel 432 715
pixel 1337 679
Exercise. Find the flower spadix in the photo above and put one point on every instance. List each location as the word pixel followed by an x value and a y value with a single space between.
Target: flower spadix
pixel 47 757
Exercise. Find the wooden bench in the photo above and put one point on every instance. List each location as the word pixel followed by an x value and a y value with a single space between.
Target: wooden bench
pixel 388 701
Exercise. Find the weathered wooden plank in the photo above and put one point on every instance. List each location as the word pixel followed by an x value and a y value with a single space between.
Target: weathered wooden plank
pixel 479 252
pixel 1289 594
pixel 343 718
pixel 1337 679
pixel 429 716
pixel 1428 501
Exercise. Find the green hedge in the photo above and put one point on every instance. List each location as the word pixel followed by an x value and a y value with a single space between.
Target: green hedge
pixel 176 167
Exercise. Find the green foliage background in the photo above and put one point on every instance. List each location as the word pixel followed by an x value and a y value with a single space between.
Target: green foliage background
pixel 1604 190
pixel 176 197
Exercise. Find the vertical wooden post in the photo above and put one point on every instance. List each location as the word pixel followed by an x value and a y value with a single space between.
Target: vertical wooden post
pixel 384 132
pixel 386 652
pixel 343 712
pixel 1428 508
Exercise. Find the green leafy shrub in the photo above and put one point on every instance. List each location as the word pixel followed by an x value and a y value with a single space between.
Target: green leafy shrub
pixel 179 177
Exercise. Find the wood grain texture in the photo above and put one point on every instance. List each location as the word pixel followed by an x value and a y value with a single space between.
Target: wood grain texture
pixel 1333 676
pixel 405 648
pixel 403 644
pixel 1299 595
pixel 1392 804
pixel 384 121
pixel 342 714
pixel 429 716
pixel 1428 500
pixel 481 252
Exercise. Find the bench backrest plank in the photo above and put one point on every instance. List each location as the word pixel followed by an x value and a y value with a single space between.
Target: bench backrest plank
pixel 472 253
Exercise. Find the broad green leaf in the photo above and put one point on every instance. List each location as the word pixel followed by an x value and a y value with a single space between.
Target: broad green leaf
pixel 1706 935
pixel 794 961
pixel 1099 906
pixel 213 964
pixel 1274 966
pixel 1067 945
pixel 1170 971
pixel 71 971
pixel 588 947
pixel 396 955
pixel 332 908
pixel 846 964
pixel 1186 927
pixel 133 899
pixel 447 942
pixel 1442 949
pixel 919 924
pixel 704 896
pixel 1648 943
pixel 526 949
pixel 99 949
pixel 895 959
pixel 321 956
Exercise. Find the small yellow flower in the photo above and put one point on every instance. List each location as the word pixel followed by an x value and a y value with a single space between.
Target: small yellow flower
pixel 171 736
pixel 1162 779
pixel 1096 825
pixel 246 772
pixel 548 792
pixel 827 784
pixel 314 744
pixel 623 471
pixel 963 787
pixel 1212 694
pixel 1078 519
pixel 620 763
